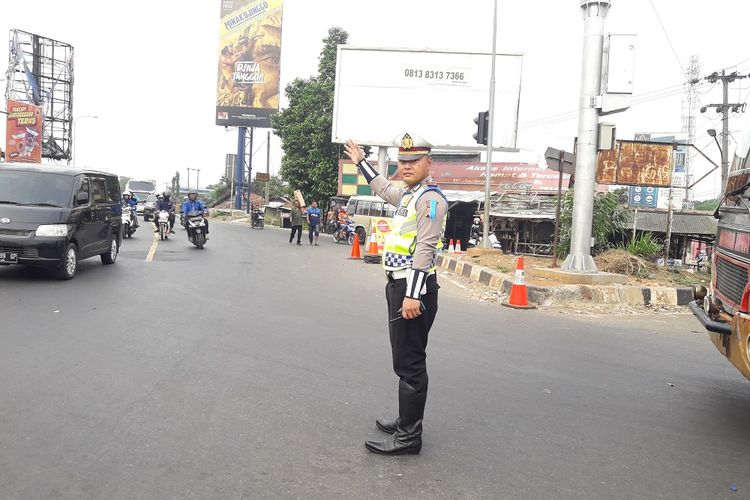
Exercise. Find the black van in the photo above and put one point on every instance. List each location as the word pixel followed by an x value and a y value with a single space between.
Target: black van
pixel 55 216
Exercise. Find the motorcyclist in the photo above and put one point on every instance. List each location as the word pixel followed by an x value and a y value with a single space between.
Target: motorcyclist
pixel 193 204
pixel 129 200
pixel 164 204
pixel 255 212
pixel 476 230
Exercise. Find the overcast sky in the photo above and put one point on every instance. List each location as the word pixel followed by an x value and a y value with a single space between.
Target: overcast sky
pixel 148 68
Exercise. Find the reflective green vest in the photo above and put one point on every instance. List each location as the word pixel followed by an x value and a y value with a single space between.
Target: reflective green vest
pixel 400 243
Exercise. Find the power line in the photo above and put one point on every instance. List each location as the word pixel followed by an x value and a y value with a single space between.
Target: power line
pixel 669 40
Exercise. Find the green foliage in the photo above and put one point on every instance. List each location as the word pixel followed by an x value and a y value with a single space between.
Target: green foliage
pixel 609 218
pixel 707 205
pixel 217 192
pixel 644 245
pixel 310 161
pixel 123 182
pixel 278 188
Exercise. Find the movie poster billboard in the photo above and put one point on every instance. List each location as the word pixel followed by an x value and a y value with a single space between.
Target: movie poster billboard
pixel 247 91
pixel 23 137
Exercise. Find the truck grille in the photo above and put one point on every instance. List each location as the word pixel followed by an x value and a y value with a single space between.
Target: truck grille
pixel 731 280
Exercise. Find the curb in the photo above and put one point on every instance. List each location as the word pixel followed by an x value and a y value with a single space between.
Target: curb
pixel 555 295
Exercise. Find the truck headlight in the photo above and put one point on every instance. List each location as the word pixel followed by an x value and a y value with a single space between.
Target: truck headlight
pixel 53 230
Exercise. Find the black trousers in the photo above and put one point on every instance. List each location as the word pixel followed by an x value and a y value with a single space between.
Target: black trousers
pixel 409 337
pixel 298 231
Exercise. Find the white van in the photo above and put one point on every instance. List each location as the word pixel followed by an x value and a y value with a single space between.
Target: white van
pixel 363 208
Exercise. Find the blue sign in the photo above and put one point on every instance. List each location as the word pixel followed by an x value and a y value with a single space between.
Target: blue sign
pixel 643 197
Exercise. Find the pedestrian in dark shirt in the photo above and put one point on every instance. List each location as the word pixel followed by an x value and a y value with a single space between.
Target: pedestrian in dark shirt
pixel 296 217
pixel 313 221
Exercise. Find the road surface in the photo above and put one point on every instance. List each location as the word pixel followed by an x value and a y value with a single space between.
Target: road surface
pixel 255 369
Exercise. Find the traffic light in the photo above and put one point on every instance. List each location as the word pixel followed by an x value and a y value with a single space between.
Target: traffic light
pixel 482 120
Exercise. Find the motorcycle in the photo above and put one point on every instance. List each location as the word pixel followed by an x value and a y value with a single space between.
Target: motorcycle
pixel 129 223
pixel 331 226
pixel 257 220
pixel 163 224
pixel 477 241
pixel 346 233
pixel 196 228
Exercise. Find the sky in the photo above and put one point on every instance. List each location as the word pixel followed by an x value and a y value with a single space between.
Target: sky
pixel 148 69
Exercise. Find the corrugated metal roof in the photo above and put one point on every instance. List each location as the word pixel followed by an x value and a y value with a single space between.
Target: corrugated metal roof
pixel 697 223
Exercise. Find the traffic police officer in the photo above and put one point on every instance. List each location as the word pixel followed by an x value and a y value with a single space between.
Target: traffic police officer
pixel 412 289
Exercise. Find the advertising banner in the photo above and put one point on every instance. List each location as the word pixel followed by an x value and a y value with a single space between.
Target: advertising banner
pixel 380 227
pixel 436 94
pixel 247 92
pixel 23 138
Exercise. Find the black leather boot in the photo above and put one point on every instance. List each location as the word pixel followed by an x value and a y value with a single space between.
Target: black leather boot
pixel 408 436
pixel 388 426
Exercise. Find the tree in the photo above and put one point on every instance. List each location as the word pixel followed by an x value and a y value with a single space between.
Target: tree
pixel 707 205
pixel 608 222
pixel 123 182
pixel 310 161
pixel 278 188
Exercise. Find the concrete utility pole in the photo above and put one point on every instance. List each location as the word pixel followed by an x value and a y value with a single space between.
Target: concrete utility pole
pixel 594 14
pixel 724 108
pixel 490 131
pixel 268 166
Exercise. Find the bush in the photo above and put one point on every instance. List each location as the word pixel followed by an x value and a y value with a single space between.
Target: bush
pixel 644 245
pixel 609 219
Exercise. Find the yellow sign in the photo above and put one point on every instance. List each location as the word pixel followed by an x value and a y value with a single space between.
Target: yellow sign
pixel 380 227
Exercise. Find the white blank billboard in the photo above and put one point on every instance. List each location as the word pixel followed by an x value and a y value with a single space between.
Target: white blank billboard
pixel 381 93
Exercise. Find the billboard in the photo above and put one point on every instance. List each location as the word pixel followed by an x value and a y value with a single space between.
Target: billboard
pixel 381 93
pixel 41 73
pixel 247 91
pixel 465 176
pixel 634 163
pixel 23 134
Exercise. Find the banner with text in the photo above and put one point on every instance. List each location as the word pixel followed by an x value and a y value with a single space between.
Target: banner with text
pixel 247 91
pixel 23 138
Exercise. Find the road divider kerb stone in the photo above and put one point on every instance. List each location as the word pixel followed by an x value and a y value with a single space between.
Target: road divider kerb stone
pixel 555 295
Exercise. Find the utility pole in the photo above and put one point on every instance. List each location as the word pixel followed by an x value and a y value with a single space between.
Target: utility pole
pixel 268 166
pixel 670 215
pixel 724 108
pixel 490 131
pixel 594 14
pixel 239 167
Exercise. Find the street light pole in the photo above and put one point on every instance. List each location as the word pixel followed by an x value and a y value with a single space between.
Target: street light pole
pixel 490 132
pixel 594 14
pixel 73 141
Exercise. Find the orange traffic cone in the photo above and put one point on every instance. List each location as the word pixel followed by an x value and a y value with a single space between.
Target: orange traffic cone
pixel 355 248
pixel 372 256
pixel 451 248
pixel 519 297
pixel 458 246
pixel 373 248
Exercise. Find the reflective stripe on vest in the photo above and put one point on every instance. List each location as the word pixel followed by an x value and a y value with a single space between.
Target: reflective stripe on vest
pixel 400 243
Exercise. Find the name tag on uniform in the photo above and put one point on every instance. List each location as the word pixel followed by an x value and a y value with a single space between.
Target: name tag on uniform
pixel 403 208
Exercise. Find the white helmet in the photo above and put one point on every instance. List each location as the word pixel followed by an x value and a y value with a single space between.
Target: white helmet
pixel 476 220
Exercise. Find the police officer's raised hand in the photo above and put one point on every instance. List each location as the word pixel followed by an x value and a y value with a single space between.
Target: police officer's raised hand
pixel 411 308
pixel 353 151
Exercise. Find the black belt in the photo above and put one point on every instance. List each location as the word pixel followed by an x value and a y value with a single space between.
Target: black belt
pixel 391 279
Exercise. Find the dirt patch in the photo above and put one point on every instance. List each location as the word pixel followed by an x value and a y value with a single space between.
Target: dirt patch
pixel 639 271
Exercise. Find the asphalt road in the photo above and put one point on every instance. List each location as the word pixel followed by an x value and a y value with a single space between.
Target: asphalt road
pixel 255 369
